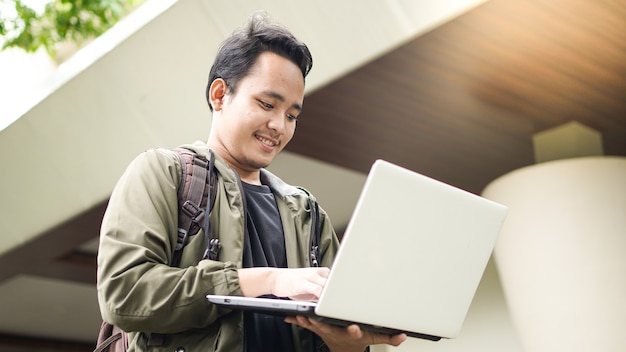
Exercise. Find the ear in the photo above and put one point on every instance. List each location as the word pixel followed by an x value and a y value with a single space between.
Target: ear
pixel 217 92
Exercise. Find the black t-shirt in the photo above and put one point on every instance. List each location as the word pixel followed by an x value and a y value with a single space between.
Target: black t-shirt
pixel 264 246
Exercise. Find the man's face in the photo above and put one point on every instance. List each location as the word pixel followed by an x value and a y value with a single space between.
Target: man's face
pixel 256 122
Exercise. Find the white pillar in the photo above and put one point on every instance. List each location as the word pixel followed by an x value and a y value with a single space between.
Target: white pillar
pixel 562 253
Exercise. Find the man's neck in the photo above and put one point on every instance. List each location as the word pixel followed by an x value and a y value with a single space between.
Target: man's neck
pixel 249 176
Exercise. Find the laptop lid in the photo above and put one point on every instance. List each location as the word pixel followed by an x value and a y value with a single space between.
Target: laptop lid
pixel 412 255
pixel 410 260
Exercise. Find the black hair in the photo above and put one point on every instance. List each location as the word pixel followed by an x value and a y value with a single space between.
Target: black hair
pixel 239 52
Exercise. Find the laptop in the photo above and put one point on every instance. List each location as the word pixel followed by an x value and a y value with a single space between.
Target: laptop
pixel 410 260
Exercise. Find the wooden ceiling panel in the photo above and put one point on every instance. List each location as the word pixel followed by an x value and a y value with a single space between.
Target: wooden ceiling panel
pixel 462 102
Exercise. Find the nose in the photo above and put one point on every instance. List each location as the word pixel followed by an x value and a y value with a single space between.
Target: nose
pixel 277 123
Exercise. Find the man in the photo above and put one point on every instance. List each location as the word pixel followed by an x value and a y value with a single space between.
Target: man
pixel 256 92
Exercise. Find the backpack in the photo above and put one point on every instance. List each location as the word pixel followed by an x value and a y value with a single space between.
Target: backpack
pixel 193 194
pixel 197 187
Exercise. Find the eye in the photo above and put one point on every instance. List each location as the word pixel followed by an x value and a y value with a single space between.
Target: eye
pixel 266 105
pixel 292 117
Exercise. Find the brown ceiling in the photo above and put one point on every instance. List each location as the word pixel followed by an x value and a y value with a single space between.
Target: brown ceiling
pixel 462 102
pixel 459 104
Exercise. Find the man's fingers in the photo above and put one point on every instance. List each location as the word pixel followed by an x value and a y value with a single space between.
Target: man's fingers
pixel 396 340
pixel 354 331
pixel 393 340
pixel 319 276
pixel 300 284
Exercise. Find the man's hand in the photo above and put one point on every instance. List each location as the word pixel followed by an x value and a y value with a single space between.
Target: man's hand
pixel 303 284
pixel 352 338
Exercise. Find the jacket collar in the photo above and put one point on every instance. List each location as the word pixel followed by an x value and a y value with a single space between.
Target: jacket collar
pixel 277 185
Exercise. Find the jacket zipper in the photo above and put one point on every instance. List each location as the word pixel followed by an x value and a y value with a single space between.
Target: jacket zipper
pixel 313 235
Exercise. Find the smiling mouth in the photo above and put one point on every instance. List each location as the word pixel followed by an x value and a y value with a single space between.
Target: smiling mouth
pixel 267 142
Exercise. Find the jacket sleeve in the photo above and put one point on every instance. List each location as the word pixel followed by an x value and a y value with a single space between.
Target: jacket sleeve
pixel 137 289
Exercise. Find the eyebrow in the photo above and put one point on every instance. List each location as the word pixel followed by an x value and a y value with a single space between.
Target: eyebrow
pixel 282 99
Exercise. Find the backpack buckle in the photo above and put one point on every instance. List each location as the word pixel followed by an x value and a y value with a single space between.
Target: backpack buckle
pixel 193 211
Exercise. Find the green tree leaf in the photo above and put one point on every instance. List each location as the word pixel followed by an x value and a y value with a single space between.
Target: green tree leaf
pixel 61 21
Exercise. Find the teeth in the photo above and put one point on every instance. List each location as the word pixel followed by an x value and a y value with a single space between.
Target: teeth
pixel 266 141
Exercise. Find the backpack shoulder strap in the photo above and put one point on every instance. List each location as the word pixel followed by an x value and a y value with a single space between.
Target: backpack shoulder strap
pixel 196 187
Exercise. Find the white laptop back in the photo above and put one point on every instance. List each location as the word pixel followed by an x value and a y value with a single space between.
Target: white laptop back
pixel 412 255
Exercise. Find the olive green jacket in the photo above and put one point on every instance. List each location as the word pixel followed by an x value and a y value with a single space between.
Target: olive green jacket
pixel 138 290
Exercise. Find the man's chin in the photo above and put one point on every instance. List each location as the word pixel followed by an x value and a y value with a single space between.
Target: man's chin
pixel 261 160
pixel 260 163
